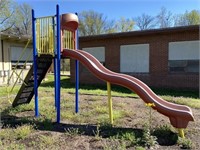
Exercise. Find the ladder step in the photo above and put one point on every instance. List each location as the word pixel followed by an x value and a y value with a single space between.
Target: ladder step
pixel 24 95
pixel 28 89
pixel 44 61
pixel 22 101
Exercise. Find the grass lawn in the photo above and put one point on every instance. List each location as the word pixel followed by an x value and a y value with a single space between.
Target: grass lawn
pixel 90 129
pixel 185 97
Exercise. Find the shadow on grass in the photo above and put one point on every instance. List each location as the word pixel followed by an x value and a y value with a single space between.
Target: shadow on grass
pixel 103 131
pixel 65 83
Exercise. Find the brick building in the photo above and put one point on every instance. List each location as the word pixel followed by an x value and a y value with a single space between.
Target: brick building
pixel 167 58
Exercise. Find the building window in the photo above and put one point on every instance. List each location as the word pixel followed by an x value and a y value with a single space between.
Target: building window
pixel 98 53
pixel 184 57
pixel 134 58
pixel 184 66
pixel 19 57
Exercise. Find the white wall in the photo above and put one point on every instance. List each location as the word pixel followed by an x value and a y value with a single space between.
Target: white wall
pixel 16 52
pixel 16 47
pixel 134 58
pixel 98 52
pixel 187 50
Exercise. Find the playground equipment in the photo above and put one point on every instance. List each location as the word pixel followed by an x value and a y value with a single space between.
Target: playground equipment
pixel 48 45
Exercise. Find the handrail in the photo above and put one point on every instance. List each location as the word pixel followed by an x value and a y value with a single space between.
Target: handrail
pixel 20 57
pixel 15 72
pixel 18 75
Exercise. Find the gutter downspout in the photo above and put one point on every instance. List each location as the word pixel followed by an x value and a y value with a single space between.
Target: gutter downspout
pixel 2 59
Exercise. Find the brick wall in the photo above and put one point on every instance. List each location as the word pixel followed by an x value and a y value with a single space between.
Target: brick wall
pixel 158 41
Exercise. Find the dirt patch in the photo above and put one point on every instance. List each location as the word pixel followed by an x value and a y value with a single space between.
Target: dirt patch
pixel 90 133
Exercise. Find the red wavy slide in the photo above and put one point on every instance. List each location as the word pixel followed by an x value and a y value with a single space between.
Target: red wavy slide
pixel 179 115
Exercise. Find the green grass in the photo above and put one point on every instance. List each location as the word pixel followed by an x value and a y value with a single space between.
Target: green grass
pixel 116 90
pixel 189 98
pixel 185 143
pixel 46 141
pixel 21 132
pixel 95 111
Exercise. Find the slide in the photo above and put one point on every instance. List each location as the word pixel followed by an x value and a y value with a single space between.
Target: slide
pixel 179 115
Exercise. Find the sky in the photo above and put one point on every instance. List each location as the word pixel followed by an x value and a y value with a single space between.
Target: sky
pixel 112 9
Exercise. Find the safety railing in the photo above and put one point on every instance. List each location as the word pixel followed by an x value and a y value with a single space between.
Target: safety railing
pixel 10 87
pixel 68 39
pixel 45 35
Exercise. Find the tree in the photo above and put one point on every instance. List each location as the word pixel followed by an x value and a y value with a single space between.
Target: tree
pixel 14 18
pixel 94 23
pixel 22 25
pixel 164 18
pixel 124 25
pixel 7 10
pixel 145 22
pixel 188 18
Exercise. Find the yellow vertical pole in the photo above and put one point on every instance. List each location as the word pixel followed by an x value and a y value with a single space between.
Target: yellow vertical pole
pixel 110 102
pixel 67 39
pixel 46 37
pixel 43 30
pixel 51 37
pixel 63 39
pixel 181 132
pixel 44 33
pixel 39 35
pixel 47 44
pixel 72 37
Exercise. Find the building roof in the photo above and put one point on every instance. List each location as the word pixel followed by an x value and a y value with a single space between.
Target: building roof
pixel 143 32
pixel 170 30
pixel 14 38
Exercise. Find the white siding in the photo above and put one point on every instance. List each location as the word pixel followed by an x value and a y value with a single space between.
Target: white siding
pixel 98 52
pixel 187 50
pixel 17 51
pixel 134 58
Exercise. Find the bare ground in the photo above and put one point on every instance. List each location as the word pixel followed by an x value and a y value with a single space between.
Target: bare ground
pixel 90 136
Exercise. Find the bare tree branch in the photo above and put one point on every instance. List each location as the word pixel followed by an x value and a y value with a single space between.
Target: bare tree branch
pixel 164 18
pixel 145 22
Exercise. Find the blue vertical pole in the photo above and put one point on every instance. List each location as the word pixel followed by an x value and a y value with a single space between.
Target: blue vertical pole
pixel 77 85
pixel 58 57
pixel 35 65
pixel 77 72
